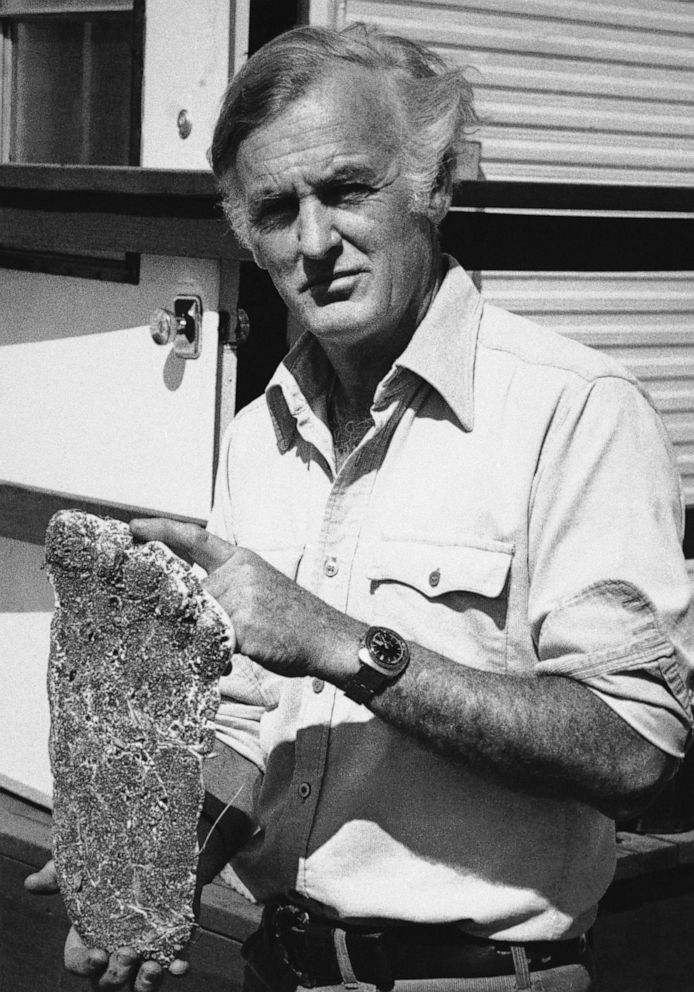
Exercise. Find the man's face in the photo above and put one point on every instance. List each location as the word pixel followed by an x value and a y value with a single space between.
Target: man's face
pixel 329 214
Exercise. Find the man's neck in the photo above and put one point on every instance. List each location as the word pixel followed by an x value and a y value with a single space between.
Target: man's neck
pixel 348 423
pixel 359 369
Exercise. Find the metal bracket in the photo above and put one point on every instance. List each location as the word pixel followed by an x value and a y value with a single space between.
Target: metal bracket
pixel 234 329
pixel 181 327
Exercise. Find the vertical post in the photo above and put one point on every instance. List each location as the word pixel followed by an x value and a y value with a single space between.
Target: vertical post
pixel 6 39
pixel 87 92
pixel 225 403
pixel 239 32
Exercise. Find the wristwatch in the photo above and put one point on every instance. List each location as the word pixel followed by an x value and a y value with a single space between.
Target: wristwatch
pixel 384 656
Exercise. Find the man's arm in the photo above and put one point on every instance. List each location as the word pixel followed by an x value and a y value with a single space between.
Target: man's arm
pixel 545 735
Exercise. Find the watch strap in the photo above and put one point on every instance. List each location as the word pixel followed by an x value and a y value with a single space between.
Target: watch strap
pixel 366 683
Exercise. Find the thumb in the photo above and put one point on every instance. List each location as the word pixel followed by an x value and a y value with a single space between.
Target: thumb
pixel 187 540
pixel 44 881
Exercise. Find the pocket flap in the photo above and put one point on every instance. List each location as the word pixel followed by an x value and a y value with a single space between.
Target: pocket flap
pixel 436 569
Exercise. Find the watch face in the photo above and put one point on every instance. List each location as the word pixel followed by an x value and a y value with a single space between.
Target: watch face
pixel 386 647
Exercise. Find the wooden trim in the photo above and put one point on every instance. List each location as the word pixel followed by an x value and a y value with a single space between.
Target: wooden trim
pixel 125 268
pixel 688 543
pixel 32 8
pixel 137 75
pixel 126 204
pixel 24 512
pixel 570 243
pixel 79 209
pixel 574 196
pixel 109 179
pixel 82 233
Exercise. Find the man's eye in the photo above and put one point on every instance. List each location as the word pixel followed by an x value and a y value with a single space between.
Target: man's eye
pixel 276 213
pixel 347 193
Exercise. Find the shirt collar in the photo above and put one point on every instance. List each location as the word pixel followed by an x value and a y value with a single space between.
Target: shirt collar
pixel 441 351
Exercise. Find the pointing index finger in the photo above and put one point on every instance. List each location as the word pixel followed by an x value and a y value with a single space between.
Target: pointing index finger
pixel 187 540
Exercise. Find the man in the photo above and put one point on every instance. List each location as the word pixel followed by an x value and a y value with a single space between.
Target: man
pixel 449 543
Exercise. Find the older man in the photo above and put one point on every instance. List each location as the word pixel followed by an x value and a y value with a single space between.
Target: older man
pixel 449 543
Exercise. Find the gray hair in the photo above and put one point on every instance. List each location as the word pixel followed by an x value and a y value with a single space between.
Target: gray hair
pixel 432 103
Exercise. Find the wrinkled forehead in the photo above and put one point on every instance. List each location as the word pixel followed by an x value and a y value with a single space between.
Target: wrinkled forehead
pixel 347 119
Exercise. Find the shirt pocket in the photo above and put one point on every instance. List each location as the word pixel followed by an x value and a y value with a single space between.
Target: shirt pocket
pixel 451 598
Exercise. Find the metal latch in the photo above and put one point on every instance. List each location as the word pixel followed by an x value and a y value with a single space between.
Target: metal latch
pixel 181 326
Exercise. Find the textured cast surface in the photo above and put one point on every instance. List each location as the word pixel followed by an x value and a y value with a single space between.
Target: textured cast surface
pixel 137 647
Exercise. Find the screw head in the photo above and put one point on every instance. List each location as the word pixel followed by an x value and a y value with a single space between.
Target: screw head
pixel 184 124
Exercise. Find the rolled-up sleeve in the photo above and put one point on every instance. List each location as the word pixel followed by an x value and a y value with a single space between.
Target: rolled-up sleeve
pixel 610 597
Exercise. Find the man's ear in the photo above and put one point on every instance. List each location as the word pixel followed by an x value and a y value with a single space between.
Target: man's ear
pixel 257 258
pixel 441 196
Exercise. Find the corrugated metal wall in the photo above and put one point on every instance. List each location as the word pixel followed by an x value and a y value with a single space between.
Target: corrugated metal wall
pixel 582 91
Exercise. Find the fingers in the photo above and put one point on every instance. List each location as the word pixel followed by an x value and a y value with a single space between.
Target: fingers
pixel 149 977
pixel 118 971
pixel 188 540
pixel 83 960
pixel 44 881
pixel 122 966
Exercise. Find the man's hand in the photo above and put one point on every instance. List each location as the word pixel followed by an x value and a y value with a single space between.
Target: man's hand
pixel 122 969
pixel 277 623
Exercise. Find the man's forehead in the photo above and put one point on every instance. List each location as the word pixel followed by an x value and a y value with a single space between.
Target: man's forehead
pixel 333 170
pixel 330 132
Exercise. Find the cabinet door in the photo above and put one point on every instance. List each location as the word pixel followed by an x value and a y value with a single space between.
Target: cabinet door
pixel 91 407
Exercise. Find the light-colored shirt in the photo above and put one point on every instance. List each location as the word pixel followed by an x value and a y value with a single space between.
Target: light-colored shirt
pixel 514 507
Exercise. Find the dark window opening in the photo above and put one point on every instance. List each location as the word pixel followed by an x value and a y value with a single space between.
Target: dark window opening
pixel 71 90
pixel 71 94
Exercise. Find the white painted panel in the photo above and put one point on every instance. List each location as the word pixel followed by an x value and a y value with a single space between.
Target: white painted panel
pixel 26 604
pixel 186 69
pixel 90 406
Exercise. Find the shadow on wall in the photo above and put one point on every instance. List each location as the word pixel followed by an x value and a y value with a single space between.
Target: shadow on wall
pixel 24 585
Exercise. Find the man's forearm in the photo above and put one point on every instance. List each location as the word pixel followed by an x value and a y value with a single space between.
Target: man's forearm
pixel 546 735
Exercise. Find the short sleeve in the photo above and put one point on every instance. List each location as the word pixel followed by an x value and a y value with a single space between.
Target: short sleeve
pixel 610 598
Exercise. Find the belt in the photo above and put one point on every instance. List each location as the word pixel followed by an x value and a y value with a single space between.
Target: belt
pixel 307 945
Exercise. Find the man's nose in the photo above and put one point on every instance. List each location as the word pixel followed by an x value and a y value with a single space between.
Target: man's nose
pixel 317 233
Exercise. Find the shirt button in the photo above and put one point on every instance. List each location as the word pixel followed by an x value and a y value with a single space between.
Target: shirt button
pixel 318 685
pixel 435 577
pixel 330 567
pixel 304 790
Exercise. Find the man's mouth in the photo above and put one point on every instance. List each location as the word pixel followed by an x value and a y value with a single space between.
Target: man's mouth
pixel 330 280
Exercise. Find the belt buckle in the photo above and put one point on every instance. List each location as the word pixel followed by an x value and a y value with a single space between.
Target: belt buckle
pixel 287 916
